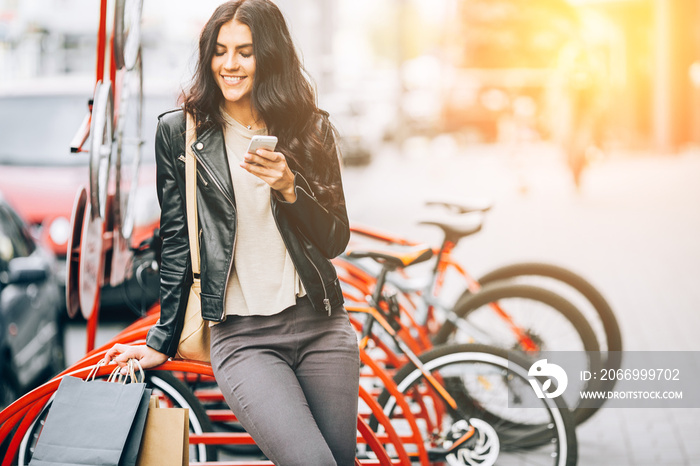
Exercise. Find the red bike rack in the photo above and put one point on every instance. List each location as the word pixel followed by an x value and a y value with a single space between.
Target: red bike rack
pixel 19 416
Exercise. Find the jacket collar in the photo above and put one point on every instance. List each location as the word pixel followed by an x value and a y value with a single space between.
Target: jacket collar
pixel 210 150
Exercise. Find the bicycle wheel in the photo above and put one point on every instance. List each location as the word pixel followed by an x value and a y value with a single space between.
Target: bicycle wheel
pixel 102 136
pixel 129 142
pixel 574 288
pixel 172 393
pixel 545 318
pixel 492 387
pixel 581 293
pixel 127 32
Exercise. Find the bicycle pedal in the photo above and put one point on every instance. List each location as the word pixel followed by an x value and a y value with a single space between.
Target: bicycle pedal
pixel 436 453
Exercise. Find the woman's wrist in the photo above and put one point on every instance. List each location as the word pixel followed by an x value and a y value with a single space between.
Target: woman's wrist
pixel 289 194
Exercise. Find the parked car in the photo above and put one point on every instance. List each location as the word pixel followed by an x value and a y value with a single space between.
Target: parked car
pixel 31 330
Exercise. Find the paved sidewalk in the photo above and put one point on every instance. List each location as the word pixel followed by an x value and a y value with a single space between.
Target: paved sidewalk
pixel 633 231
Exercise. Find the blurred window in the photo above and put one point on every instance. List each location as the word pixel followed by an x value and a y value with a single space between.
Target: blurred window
pixel 38 129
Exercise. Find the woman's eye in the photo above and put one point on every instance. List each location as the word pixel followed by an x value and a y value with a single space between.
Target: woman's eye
pixel 246 55
pixel 218 53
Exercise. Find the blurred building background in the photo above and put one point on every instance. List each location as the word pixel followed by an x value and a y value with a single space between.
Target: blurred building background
pixel 481 70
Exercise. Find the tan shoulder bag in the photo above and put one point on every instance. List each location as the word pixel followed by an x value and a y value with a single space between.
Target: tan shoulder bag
pixel 194 339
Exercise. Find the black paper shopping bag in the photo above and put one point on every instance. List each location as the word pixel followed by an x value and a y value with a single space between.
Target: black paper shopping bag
pixel 89 423
pixel 133 442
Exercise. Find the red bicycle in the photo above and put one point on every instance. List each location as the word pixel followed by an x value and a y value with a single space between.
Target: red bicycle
pixel 470 404
pixel 526 306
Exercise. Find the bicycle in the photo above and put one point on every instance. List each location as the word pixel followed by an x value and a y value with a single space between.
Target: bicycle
pixel 476 309
pixel 465 426
pixel 524 331
pixel 460 226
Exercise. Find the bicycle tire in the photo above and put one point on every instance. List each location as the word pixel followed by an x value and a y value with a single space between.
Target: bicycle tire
pixel 176 392
pixel 611 327
pixel 529 439
pixel 101 139
pixel 118 38
pixel 127 16
pixel 500 291
pixel 612 352
pixel 128 133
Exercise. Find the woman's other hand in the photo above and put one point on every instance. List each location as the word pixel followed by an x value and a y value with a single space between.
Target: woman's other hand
pixel 272 168
pixel 147 356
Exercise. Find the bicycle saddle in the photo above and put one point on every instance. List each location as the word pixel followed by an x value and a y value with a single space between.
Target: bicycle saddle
pixel 456 226
pixel 395 258
pixel 462 207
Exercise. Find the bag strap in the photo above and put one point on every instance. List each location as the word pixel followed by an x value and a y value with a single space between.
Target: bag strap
pixel 191 193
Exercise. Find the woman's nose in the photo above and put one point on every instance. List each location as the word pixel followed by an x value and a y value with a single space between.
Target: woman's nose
pixel 231 62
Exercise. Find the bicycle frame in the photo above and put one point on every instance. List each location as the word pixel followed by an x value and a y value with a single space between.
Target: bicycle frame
pixel 375 313
pixel 430 294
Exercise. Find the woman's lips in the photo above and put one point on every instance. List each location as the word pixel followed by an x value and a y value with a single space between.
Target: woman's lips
pixel 233 80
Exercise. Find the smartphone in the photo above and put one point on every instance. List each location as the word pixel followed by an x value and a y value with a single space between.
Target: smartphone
pixel 262 142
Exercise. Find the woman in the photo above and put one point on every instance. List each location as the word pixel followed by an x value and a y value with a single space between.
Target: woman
pixel 283 351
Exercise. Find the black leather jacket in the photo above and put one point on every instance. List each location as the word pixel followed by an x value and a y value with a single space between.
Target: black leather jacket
pixel 313 233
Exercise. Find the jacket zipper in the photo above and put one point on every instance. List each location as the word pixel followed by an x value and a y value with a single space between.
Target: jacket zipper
pixel 230 263
pixel 199 175
pixel 326 301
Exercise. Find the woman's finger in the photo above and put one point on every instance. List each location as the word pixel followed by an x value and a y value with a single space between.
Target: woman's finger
pixel 133 352
pixel 268 175
pixel 277 176
pixel 114 351
pixel 270 155
pixel 254 168
pixel 255 159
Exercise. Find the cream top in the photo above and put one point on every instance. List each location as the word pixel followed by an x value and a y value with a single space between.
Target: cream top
pixel 264 280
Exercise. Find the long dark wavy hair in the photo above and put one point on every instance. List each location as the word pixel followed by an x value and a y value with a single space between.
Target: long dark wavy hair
pixel 282 96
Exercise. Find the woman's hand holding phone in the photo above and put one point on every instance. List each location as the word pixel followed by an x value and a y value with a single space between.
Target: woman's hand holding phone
pixel 262 161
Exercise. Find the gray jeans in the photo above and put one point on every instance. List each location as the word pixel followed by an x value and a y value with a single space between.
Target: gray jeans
pixel 292 380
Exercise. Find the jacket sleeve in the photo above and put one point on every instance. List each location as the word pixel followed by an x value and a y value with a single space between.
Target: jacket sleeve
pixel 175 275
pixel 325 226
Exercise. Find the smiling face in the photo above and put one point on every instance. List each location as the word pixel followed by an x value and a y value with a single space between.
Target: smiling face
pixel 233 67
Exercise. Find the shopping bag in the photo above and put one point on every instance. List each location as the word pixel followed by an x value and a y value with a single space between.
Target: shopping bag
pixel 90 422
pixel 166 437
pixel 133 441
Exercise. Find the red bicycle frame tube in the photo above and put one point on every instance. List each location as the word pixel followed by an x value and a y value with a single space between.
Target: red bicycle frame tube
pixel 101 42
